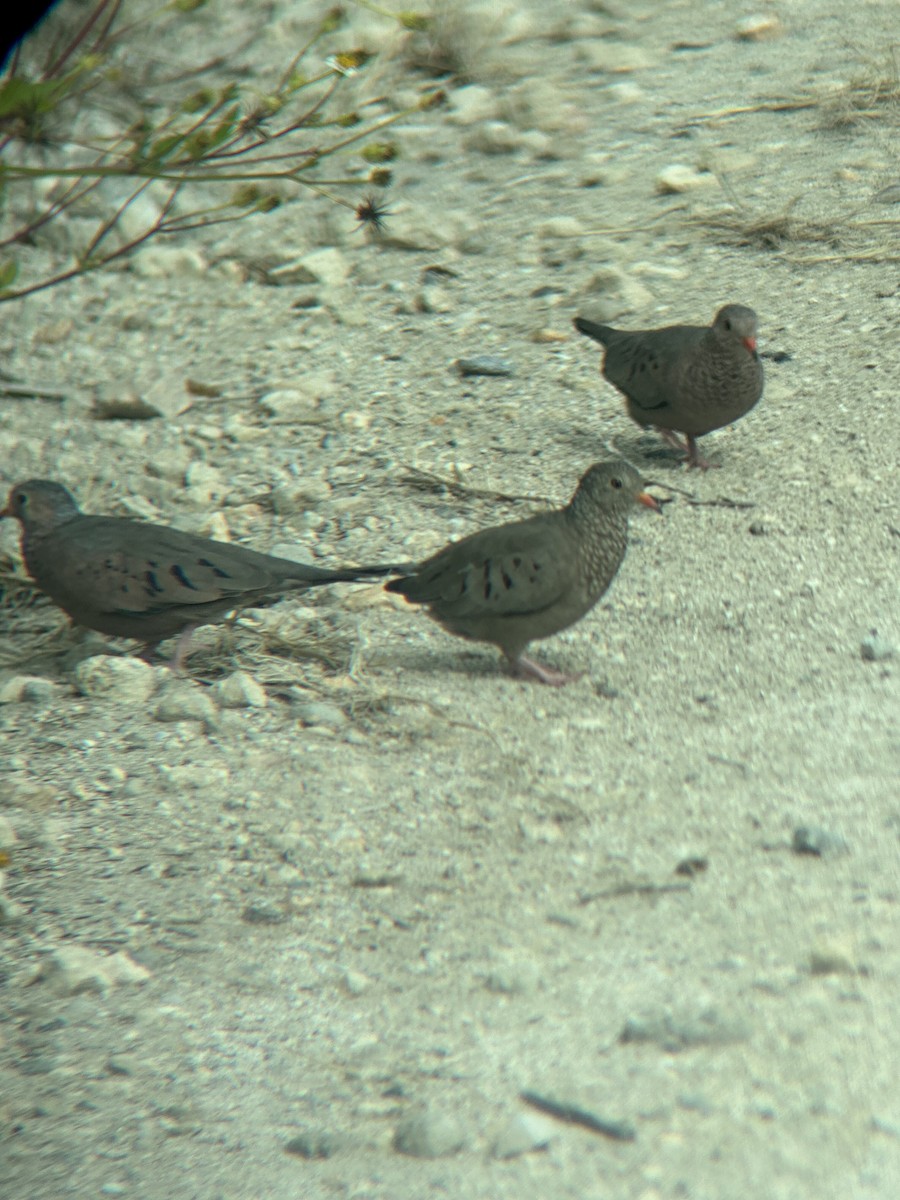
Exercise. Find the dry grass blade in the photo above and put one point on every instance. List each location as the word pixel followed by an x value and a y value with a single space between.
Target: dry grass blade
pixel 872 94
pixel 426 481
pixel 848 236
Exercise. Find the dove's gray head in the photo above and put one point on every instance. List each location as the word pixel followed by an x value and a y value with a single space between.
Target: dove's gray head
pixel 736 323
pixel 611 487
pixel 40 504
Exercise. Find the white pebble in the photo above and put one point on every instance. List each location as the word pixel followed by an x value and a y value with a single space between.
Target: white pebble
pixel 127 681
pixel 240 690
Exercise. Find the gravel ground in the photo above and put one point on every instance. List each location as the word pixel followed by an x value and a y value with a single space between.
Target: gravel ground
pixel 346 911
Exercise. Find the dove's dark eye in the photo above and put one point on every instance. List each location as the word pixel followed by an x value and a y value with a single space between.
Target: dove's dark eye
pixel 21 499
pixel 616 483
pixel 728 324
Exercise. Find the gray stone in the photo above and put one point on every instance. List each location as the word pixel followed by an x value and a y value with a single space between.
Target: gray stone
pixel 521 1134
pixel 674 1031
pixel 679 177
pixel 874 648
pixel 126 681
pixel 812 839
pixel 239 690
pixel 430 1134
pixel 185 702
pixel 70 970
pixel 484 364
pixel 315 1143
pixel 29 689
pixel 320 712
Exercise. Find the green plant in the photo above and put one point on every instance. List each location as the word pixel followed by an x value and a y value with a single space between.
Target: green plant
pixel 247 145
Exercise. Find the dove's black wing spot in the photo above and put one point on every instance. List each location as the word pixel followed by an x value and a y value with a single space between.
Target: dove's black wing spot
pixel 488 586
pixel 507 579
pixel 217 571
pixel 177 572
pixel 151 584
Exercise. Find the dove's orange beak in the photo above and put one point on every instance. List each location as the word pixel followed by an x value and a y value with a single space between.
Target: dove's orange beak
pixel 750 343
pixel 648 500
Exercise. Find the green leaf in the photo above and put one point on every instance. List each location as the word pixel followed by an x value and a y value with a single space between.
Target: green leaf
pixel 9 271
pixel 163 147
pixel 418 22
pixel 202 140
pixel 21 97
pixel 205 98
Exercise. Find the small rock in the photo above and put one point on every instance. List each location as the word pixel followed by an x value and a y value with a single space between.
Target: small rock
pixel 29 689
pixel 113 404
pixel 692 865
pixel 70 970
pixel 681 1031
pixel 610 292
pixel 434 298
pixel 758 528
pixel 626 91
pixel 679 177
pixel 315 1143
pixel 472 104
pixel 495 137
pixel 290 405
pixel 119 1064
pixel 185 702
pixel 126 681
pixel 355 983
pixel 11 913
pixel 812 839
pixel 484 364
pixel 239 690
pixel 327 266
pixel 263 914
pixel 523 1133
pixel 832 959
pixel 164 262
pixel 320 712
pixel 760 27
pixel 205 483
pixel 430 1134
pixel 874 648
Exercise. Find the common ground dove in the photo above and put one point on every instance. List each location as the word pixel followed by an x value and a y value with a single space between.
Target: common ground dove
pixel 136 580
pixel 512 584
pixel 685 378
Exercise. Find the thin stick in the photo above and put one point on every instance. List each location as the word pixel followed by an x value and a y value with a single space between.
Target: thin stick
pixel 621 1131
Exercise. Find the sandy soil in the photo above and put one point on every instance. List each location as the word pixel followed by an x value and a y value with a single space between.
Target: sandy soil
pixel 357 923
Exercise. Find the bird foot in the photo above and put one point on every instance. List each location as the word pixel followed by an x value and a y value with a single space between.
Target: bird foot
pixel 526 668
pixel 673 440
pixel 687 448
pixel 694 459
pixel 178 665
